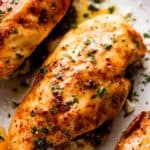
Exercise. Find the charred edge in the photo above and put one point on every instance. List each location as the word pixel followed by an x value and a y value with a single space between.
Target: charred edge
pixel 135 124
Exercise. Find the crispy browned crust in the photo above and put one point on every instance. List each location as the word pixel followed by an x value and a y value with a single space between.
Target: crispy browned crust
pixel 137 129
pixel 23 29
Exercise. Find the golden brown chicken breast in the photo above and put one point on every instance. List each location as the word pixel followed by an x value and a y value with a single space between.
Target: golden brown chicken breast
pixel 80 86
pixel 137 136
pixel 24 24
pixel 90 140
pixel 3 139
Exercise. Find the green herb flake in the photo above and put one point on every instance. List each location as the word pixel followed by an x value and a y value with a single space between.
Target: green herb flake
pixel 111 9
pixel 8 7
pixel 59 76
pixel 96 1
pixel 14 1
pixel 92 7
pixel 69 57
pixel 147 79
pixel 107 46
pixel 40 144
pixel 92 56
pixel 146 35
pixel 51 129
pixel 87 42
pixel 113 39
pixel 85 15
pixel 75 99
pixel 1 12
pixel 56 89
pixel 73 25
pixel 136 42
pixel 14 31
pixel 100 91
pixel 54 110
pixel 43 70
pixel 147 59
pixel 9 115
pixel 71 103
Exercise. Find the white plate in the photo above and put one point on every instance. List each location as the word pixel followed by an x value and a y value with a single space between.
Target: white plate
pixel 141 13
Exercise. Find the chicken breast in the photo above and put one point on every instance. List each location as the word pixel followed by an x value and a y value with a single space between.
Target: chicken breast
pixel 24 24
pixel 90 140
pixel 3 139
pixel 137 136
pixel 80 86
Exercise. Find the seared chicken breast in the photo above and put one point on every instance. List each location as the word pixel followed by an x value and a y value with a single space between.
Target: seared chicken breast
pixel 137 136
pixel 90 140
pixel 3 139
pixel 80 86
pixel 24 24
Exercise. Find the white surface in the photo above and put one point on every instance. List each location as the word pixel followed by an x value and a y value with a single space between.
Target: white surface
pixel 7 96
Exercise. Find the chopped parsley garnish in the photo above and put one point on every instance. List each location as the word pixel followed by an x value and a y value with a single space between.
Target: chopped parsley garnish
pixel 14 31
pixel 147 59
pixel 136 42
pixel 59 76
pixel 113 39
pixel 107 46
pixel 85 15
pixel 14 1
pixel 1 12
pixel 99 92
pixel 92 7
pixel 9 7
pixel 146 35
pixel 73 25
pixel 40 144
pixel 112 9
pixel 56 89
pixel 9 115
pixel 92 56
pixel 51 129
pixel 54 110
pixel 87 42
pixel 96 1
pixel 69 57
pixel 43 70
pixel 1 138
pixel 148 79
pixel 67 105
pixel 75 99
